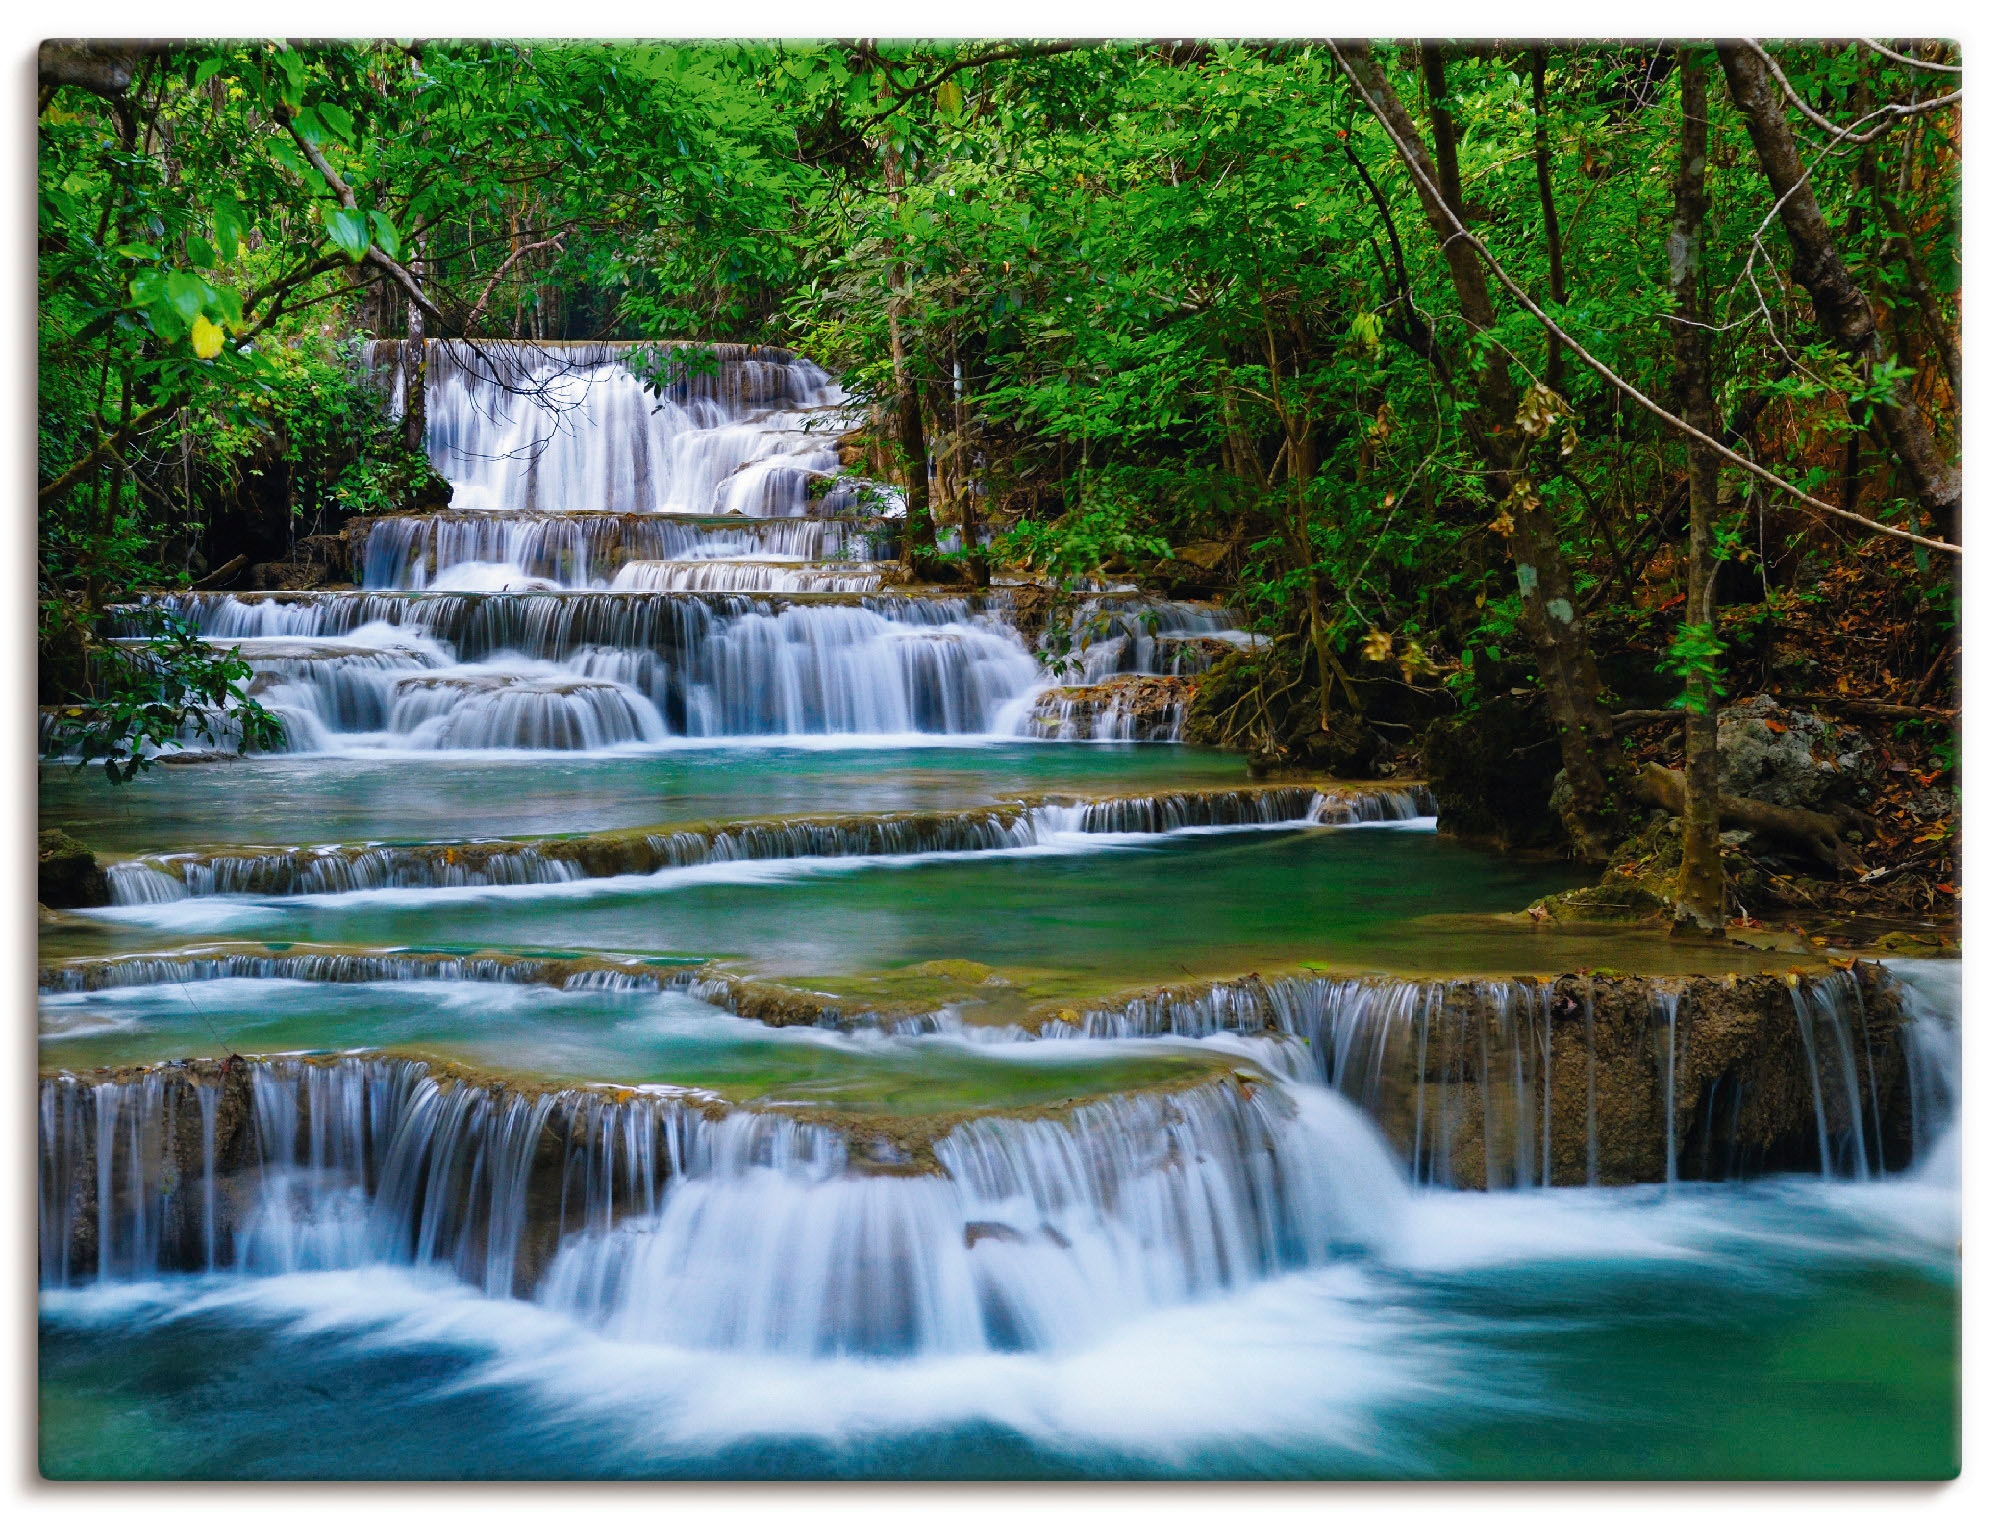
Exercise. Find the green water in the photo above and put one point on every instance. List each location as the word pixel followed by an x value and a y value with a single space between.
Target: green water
pixel 412 798
pixel 627 1038
pixel 1785 1328
pixel 1059 922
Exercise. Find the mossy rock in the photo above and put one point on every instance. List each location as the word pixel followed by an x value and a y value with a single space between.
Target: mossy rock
pixel 1622 902
pixel 67 874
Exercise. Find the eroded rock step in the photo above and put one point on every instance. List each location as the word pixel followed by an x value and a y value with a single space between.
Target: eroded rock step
pixel 1016 824
pixel 1593 1079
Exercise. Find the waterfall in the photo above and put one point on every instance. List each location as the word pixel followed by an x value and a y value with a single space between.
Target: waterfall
pixel 345 967
pixel 585 551
pixel 741 575
pixel 571 427
pixel 660 1217
pixel 1513 1083
pixel 587 670
pixel 1127 636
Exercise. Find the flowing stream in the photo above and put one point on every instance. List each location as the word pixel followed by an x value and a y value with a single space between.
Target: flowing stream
pixel 687 1003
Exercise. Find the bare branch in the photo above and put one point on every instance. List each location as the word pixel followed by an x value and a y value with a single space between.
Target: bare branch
pixel 1915 63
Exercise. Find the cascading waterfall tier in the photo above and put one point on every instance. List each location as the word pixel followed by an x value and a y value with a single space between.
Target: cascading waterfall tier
pixel 671 1217
pixel 310 870
pixel 585 550
pixel 1112 636
pixel 570 670
pixel 573 426
pixel 1124 708
pixel 341 966
pixel 1571 1080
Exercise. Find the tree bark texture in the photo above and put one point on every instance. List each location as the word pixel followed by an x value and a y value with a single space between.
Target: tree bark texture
pixel 1699 906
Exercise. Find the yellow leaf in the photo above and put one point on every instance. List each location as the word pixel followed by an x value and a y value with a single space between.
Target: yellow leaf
pixel 207 338
pixel 1377 645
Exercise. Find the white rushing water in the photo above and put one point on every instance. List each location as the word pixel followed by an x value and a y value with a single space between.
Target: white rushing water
pixel 566 427
pixel 624 566
pixel 1084 1280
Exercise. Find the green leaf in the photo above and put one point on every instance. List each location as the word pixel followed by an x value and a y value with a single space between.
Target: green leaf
pixel 187 294
pixel 209 69
pixel 230 225
pixel 200 254
pixel 348 231
pixel 309 125
pixel 386 236
pixel 339 121
pixel 292 87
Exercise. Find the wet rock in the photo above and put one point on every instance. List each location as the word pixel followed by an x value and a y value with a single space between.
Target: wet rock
pixel 1491 771
pixel 67 874
pixel 1788 758
pixel 1132 708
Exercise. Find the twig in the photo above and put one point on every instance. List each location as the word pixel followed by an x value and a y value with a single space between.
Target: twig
pixel 1915 63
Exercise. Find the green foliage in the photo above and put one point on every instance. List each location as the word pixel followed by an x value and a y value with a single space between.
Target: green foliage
pixel 167 690
pixel 1173 312
pixel 1695 657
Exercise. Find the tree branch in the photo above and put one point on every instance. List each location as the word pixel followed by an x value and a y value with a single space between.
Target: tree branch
pixel 374 255
pixel 1896 113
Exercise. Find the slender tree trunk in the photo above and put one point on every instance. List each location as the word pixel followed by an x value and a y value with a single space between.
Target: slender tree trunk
pixel 919 531
pixel 968 514
pixel 1699 905
pixel 415 364
pixel 1545 188
pixel 1592 760
pixel 1845 314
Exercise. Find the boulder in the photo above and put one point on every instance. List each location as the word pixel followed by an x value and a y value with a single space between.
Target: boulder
pixel 1767 753
pixel 67 874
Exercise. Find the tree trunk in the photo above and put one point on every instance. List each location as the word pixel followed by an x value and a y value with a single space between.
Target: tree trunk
pixel 1699 905
pixel 414 364
pixel 1594 764
pixel 1845 315
pixel 1545 188
pixel 919 531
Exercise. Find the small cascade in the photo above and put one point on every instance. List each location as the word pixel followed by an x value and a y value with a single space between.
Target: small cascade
pixel 1124 709
pixel 1110 637
pixel 346 967
pixel 371 867
pixel 743 575
pixel 1512 1083
pixel 667 1218
pixel 587 550
pixel 315 869
pixel 516 709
